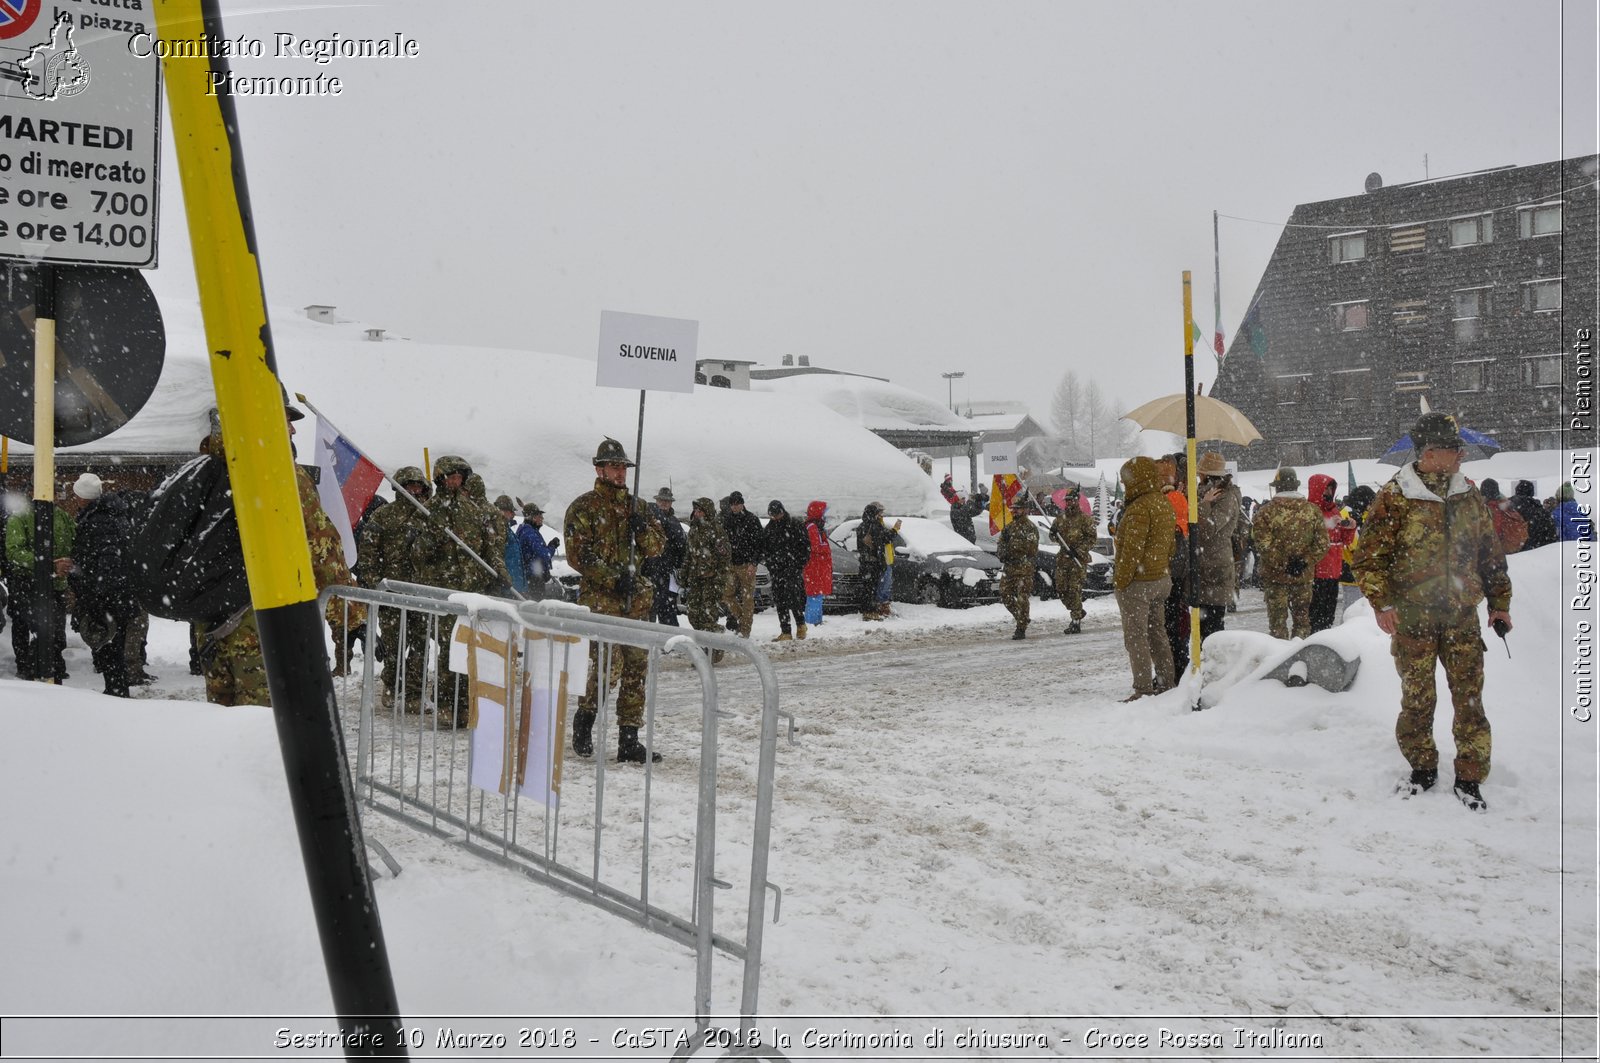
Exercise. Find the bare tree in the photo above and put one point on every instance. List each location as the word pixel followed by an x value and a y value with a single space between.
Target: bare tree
pixel 1066 408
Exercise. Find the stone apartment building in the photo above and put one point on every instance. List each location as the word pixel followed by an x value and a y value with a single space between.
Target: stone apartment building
pixel 1469 291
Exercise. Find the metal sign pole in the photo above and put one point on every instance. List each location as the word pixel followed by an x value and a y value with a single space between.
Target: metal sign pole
pixel 638 470
pixel 272 532
pixel 44 477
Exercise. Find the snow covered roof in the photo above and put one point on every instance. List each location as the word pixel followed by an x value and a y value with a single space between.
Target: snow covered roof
pixel 530 422
pixel 873 404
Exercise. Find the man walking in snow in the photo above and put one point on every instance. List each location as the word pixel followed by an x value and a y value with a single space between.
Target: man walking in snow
pixel 1073 531
pixel 1018 551
pixel 1428 554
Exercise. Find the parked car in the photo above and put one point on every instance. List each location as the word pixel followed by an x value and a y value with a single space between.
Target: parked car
pixel 932 565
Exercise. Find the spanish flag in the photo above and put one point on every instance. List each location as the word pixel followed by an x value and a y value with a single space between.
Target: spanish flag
pixel 1005 489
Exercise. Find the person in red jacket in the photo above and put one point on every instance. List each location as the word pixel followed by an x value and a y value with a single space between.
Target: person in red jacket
pixel 818 574
pixel 1322 491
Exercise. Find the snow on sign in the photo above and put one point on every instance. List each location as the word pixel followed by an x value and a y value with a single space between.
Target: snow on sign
pixel 646 353
pixel 80 116
pixel 1000 458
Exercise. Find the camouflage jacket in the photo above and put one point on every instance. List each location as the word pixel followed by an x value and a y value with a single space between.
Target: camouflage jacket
pixel 1430 556
pixel 1285 528
pixel 1019 544
pixel 1147 528
pixel 391 545
pixel 706 560
pixel 1073 531
pixel 327 549
pixel 597 537
pixel 446 564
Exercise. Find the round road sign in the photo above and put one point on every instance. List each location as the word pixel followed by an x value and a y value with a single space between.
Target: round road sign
pixel 110 344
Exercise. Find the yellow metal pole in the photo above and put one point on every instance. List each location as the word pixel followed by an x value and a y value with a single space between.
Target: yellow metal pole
pixel 255 433
pixel 1194 507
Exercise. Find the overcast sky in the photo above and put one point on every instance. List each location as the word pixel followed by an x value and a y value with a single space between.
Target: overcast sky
pixel 1009 190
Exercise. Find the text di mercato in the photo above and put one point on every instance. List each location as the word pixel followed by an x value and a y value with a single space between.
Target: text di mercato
pixel 117 204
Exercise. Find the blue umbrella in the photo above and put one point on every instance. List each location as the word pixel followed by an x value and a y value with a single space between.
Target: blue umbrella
pixel 1478 446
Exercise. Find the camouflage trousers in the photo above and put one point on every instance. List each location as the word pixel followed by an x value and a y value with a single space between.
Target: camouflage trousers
pixel 1286 601
pixel 1069 585
pixel 627 667
pixel 235 672
pixel 1456 644
pixel 1016 591
pixel 701 604
pixel 416 653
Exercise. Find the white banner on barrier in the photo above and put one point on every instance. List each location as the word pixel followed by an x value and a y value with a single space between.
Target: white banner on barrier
pixel 524 752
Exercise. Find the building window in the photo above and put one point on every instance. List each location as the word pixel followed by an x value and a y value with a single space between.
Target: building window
pixel 1292 388
pixel 1543 220
pixel 1347 247
pixel 1410 313
pixel 1468 308
pixel 1411 381
pixel 1350 317
pixel 1294 452
pixel 1541 371
pixel 1408 238
pixel 1350 449
pixel 1478 229
pixel 1350 387
pixel 1549 439
pixel 1474 375
pixel 699 377
pixel 1542 296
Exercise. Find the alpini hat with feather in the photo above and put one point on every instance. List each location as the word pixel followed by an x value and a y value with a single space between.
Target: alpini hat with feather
pixel 610 452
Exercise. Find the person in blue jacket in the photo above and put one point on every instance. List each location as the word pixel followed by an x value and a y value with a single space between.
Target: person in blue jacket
pixel 508 513
pixel 1573 520
pixel 537 555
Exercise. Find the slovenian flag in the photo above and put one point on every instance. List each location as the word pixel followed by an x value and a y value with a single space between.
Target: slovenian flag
pixel 349 480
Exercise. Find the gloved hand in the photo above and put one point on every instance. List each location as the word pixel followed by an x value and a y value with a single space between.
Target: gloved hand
pixel 637 522
pixel 1295 566
pixel 625 585
pixel 555 544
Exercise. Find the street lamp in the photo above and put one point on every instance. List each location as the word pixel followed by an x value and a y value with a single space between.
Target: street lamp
pixel 950 379
pixel 950 394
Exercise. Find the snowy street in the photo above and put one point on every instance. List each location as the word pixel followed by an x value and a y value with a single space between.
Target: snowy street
pixel 968 827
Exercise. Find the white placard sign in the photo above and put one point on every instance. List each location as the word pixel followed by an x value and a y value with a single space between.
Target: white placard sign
pixel 646 353
pixel 80 134
pixel 1000 458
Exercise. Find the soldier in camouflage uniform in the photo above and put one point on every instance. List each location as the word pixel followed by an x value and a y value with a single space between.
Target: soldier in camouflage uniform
pixel 1428 553
pixel 606 529
pixel 390 549
pixel 705 568
pixel 1290 538
pixel 1073 531
pixel 1018 551
pixel 235 672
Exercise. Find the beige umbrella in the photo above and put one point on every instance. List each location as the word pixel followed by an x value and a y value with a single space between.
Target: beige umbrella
pixel 1213 419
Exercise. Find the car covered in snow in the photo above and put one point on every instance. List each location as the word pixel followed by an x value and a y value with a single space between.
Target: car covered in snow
pixel 932 564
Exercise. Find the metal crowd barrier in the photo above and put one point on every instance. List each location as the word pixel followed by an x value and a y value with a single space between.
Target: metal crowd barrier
pixel 416 767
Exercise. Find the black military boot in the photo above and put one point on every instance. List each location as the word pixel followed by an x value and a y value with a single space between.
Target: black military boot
pixel 1020 633
pixel 630 750
pixel 1074 628
pixel 583 732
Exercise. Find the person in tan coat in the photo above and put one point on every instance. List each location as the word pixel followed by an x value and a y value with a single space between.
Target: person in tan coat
pixel 1214 536
pixel 1144 538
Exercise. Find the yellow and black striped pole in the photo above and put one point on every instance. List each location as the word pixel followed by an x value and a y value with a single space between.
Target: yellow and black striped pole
pixel 250 402
pixel 1194 507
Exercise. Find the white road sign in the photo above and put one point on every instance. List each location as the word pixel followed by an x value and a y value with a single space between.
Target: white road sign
pixel 80 139
pixel 1000 458
pixel 646 353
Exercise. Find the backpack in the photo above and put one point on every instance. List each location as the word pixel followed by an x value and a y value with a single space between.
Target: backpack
pixel 187 563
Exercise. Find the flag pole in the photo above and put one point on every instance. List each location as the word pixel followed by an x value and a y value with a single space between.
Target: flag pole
pixel 1194 508
pixel 1216 293
pixel 401 492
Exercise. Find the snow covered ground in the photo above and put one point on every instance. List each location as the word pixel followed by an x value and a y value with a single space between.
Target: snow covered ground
pixel 972 832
